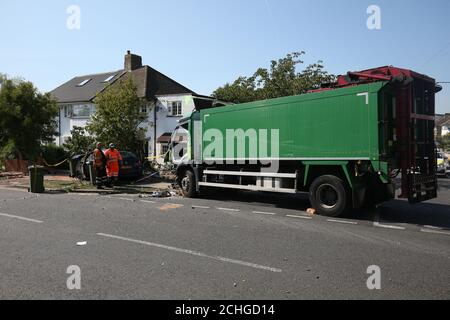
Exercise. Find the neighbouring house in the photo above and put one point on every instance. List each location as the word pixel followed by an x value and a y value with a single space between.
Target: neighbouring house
pixel 442 124
pixel 166 101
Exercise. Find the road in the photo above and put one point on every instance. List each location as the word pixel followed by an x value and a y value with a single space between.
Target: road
pixel 224 246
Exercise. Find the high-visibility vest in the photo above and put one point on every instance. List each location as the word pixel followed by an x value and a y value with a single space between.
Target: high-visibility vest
pixel 112 160
pixel 99 158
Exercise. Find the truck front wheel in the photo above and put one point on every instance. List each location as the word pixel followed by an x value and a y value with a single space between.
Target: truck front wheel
pixel 187 184
pixel 328 196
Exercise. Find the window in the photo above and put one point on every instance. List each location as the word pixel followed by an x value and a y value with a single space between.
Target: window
pixel 78 111
pixel 83 83
pixel 68 111
pixel 164 148
pixel 175 109
pixel 81 111
pixel 144 109
pixel 109 78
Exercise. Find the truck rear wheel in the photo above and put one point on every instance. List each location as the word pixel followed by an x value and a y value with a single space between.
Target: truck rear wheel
pixel 187 184
pixel 328 196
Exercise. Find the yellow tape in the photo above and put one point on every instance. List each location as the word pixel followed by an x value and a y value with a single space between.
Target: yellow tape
pixel 161 156
pixel 54 165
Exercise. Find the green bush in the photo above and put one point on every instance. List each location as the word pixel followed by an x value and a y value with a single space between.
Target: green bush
pixel 79 142
pixel 54 154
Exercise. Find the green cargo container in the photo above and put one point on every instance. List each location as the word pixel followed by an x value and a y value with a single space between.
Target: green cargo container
pixel 331 125
pixel 343 145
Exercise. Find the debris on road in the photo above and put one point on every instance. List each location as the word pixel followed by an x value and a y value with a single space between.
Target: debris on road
pixel 170 206
pixel 147 177
pixel 82 243
pixel 311 211
pixel 159 194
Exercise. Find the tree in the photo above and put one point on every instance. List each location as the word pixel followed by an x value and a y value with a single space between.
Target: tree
pixel 281 80
pixel 118 117
pixel 444 142
pixel 79 142
pixel 27 118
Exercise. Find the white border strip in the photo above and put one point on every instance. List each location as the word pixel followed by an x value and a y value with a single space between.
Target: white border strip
pixel 194 253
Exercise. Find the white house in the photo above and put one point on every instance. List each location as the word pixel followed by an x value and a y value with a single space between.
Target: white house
pixel 442 124
pixel 166 101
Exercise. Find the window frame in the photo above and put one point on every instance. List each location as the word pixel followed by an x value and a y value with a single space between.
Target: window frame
pixel 175 105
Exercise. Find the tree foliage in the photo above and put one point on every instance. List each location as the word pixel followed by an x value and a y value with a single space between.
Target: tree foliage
pixel 444 142
pixel 79 142
pixel 118 117
pixel 282 79
pixel 27 118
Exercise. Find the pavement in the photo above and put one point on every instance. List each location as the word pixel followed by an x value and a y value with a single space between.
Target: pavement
pixel 61 182
pixel 225 245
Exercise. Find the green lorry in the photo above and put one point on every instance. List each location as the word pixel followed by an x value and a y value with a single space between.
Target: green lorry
pixel 345 144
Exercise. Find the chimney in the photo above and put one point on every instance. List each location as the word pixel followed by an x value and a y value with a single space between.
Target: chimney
pixel 132 61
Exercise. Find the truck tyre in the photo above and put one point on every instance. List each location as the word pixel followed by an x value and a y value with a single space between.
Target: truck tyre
pixel 187 184
pixel 328 196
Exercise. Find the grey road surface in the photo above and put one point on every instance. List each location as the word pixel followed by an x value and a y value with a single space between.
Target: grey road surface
pixel 226 245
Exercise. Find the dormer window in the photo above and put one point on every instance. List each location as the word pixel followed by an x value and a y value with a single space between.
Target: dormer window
pixel 109 78
pixel 83 83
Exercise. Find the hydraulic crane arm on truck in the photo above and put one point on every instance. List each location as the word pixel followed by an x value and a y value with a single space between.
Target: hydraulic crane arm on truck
pixel 344 144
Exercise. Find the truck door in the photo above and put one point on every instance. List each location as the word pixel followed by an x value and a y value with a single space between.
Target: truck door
pixel 415 125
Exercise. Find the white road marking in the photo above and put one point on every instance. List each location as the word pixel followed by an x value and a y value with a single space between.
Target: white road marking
pixel 377 224
pixel 265 213
pixel 120 198
pixel 192 252
pixel 299 217
pixel 228 209
pixel 20 218
pixel 432 227
pixel 342 221
pixel 148 201
pixel 435 232
pixel 385 226
pixel 200 207
pixel 125 199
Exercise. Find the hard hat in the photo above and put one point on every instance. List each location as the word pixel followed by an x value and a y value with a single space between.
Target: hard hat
pixel 112 145
pixel 99 144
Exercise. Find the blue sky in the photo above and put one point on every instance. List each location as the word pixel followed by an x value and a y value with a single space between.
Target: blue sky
pixel 206 43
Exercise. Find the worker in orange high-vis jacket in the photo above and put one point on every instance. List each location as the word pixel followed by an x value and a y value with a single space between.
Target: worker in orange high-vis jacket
pixel 113 163
pixel 100 166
